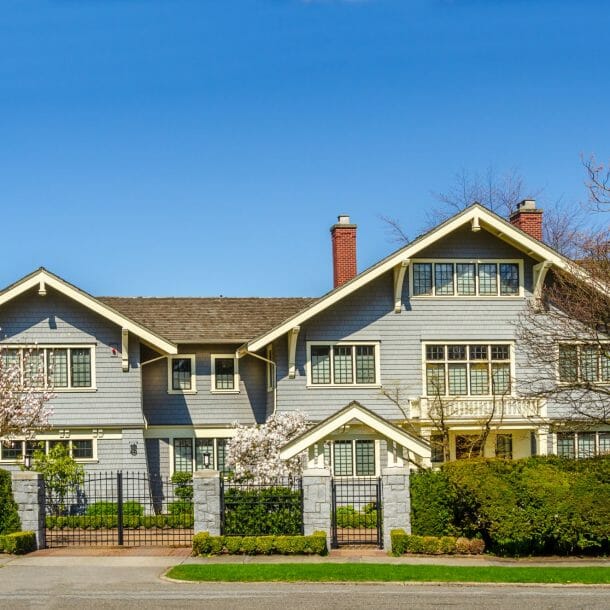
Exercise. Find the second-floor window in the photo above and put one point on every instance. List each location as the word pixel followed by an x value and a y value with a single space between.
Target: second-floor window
pixel 584 363
pixel 181 371
pixel 57 367
pixel 343 363
pixel 224 373
pixel 480 369
pixel 466 278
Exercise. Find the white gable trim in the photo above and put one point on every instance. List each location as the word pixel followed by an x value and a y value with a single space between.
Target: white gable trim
pixel 42 279
pixel 355 411
pixel 475 214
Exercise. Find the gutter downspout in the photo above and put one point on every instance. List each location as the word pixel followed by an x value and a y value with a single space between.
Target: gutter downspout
pixel 243 351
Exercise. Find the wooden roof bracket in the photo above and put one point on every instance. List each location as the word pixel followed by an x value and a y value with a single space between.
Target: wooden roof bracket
pixel 293 336
pixel 540 271
pixel 399 278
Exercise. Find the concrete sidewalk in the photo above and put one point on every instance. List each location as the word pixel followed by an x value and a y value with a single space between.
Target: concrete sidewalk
pixel 168 557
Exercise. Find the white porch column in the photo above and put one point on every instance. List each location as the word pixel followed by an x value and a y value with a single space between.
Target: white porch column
pixel 542 436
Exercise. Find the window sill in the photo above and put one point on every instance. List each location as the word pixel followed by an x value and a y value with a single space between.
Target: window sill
pixel 466 298
pixel 182 391
pixel 224 391
pixel 71 390
pixel 351 386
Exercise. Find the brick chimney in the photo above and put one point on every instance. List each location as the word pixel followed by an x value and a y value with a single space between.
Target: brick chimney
pixel 528 218
pixel 344 250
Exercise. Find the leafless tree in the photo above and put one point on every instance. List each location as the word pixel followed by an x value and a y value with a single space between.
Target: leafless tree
pixel 566 336
pixel 598 183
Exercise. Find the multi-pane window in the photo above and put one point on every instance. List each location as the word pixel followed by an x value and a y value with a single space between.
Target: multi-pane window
pixel 466 278
pixel 468 370
pixel 584 363
pixel 79 449
pixel 437 448
pixel 354 457
pixel 343 364
pixel 57 368
pixel 183 455
pixel 583 444
pixel 182 377
pixel 504 446
pixel 224 373
pixel 209 454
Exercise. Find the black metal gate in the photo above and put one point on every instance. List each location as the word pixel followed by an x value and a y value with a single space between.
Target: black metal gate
pixel 357 512
pixel 120 508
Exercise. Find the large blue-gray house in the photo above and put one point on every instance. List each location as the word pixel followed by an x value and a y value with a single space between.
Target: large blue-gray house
pixel 157 383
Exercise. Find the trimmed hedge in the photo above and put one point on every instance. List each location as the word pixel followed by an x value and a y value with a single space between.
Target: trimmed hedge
pixel 96 522
pixel 535 506
pixel 18 543
pixel 204 544
pixel 266 511
pixel 102 508
pixel 434 545
pixel 9 517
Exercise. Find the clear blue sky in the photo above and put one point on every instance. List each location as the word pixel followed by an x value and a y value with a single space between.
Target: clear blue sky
pixel 191 147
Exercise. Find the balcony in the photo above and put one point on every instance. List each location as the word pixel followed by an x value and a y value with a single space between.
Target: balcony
pixel 468 408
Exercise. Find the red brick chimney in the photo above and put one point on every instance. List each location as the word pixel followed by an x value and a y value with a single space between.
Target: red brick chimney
pixel 344 250
pixel 528 218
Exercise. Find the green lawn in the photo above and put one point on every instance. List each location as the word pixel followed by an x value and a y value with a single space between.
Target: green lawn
pixel 345 572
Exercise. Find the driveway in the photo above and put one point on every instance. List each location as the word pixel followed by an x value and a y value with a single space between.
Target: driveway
pixel 132 582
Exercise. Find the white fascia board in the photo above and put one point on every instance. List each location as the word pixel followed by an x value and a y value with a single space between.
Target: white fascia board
pixel 333 423
pixel 44 277
pixel 490 220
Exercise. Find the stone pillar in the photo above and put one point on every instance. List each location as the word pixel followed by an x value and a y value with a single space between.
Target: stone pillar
pixel 317 499
pixel 206 501
pixel 396 502
pixel 28 492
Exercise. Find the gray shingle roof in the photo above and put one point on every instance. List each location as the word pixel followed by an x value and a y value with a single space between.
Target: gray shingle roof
pixel 207 320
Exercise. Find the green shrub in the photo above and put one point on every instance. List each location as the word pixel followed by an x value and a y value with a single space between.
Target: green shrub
pixel 130 508
pixel 433 545
pixel 348 516
pixel 204 544
pixel 540 505
pixel 18 543
pixel 9 517
pixel 256 512
pixel 95 522
pixel 180 507
pixel 183 485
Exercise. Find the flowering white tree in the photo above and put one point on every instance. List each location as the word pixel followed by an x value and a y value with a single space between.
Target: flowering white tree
pixel 23 396
pixel 254 452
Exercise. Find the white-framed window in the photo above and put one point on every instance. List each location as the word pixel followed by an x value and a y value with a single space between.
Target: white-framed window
pixel 583 363
pixel 466 278
pixel 352 457
pixel 61 368
pixel 583 444
pixel 468 369
pixel 342 363
pixel 181 374
pixel 191 454
pixel 82 450
pixel 225 373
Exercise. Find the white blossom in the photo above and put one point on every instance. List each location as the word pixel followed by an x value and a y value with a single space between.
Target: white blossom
pixel 23 398
pixel 253 454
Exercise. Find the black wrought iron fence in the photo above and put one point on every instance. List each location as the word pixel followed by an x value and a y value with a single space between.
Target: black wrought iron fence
pixel 119 508
pixel 257 510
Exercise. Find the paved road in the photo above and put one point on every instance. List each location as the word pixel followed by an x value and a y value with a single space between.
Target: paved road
pixel 114 582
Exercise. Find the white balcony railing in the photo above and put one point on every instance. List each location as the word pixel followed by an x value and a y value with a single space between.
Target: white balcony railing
pixel 500 408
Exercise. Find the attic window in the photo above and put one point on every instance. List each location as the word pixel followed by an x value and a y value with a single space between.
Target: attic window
pixel 487 278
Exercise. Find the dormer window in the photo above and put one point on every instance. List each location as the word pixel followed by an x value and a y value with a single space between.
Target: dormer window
pixel 467 278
